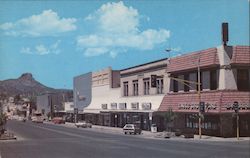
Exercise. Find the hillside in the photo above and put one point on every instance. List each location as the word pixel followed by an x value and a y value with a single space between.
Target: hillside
pixel 26 85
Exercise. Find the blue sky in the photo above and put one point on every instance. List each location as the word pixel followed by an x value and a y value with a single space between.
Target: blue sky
pixel 57 40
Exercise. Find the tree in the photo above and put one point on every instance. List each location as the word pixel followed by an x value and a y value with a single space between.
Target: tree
pixel 3 120
pixel 3 96
pixel 17 98
pixel 169 118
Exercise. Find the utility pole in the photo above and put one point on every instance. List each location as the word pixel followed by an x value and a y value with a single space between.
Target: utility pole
pixel 236 109
pixel 238 130
pixel 196 83
pixel 199 95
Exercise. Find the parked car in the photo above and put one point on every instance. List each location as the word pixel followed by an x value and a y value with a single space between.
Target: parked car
pixel 36 119
pixel 83 124
pixel 131 129
pixel 58 120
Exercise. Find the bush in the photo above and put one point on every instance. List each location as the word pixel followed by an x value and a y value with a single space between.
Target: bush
pixel 188 135
pixel 177 132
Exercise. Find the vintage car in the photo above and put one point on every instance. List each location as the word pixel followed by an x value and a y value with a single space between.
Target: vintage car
pixel 131 129
pixel 83 124
pixel 58 120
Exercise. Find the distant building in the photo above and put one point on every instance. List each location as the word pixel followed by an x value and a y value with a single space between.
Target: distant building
pixel 50 103
pixel 82 91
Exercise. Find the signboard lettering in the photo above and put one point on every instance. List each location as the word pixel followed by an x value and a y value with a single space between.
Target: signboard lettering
pixel 146 106
pixel 113 105
pixel 135 106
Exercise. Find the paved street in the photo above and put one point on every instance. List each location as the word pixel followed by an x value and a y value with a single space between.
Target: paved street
pixel 55 141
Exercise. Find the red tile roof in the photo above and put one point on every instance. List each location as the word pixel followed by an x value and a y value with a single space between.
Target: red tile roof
pixel 221 99
pixel 241 55
pixel 208 57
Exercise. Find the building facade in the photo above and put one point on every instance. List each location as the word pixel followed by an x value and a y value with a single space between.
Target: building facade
pixel 143 94
pixel 51 104
pixel 225 78
pixel 127 96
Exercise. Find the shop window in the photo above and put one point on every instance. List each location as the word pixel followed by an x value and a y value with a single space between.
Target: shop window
pixel 175 84
pixel 159 85
pixel 213 80
pixel 192 122
pixel 243 80
pixel 186 87
pixel 125 88
pixel 135 87
pixel 146 86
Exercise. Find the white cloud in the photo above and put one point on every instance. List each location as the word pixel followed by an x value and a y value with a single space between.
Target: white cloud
pixel 117 29
pixel 6 26
pixel 48 23
pixel 26 50
pixel 95 51
pixel 42 49
pixel 116 17
pixel 177 49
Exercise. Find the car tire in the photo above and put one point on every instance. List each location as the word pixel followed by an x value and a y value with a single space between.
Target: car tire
pixel 125 132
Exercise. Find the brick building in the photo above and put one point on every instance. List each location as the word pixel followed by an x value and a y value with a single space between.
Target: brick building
pixel 225 78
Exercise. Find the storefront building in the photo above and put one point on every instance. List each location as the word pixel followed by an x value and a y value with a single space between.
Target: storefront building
pixel 143 94
pixel 225 78
pixel 130 95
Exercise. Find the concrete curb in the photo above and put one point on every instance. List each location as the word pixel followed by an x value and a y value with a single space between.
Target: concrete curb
pixel 8 136
pixel 157 135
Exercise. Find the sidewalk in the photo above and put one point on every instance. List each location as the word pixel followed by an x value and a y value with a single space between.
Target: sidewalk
pixel 158 135
pixel 7 136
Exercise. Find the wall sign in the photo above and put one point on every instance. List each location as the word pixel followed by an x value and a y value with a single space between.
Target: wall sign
pixel 242 106
pixel 135 106
pixel 113 106
pixel 195 106
pixel 122 106
pixel 104 106
pixel 146 106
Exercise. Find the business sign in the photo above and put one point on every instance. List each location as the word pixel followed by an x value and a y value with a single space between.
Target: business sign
pixel 240 106
pixel 146 106
pixel 75 110
pixel 104 106
pixel 81 98
pixel 135 106
pixel 196 106
pixel 122 106
pixel 113 106
pixel 153 80
pixel 202 107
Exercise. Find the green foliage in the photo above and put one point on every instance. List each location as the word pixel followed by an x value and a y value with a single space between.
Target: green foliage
pixel 3 96
pixel 3 119
pixel 169 118
pixel 17 98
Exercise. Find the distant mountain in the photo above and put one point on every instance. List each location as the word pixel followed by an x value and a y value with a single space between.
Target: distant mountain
pixel 26 85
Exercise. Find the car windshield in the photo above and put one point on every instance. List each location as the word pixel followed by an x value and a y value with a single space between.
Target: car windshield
pixel 129 126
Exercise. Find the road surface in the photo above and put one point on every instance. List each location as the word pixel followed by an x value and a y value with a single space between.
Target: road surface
pixel 55 141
